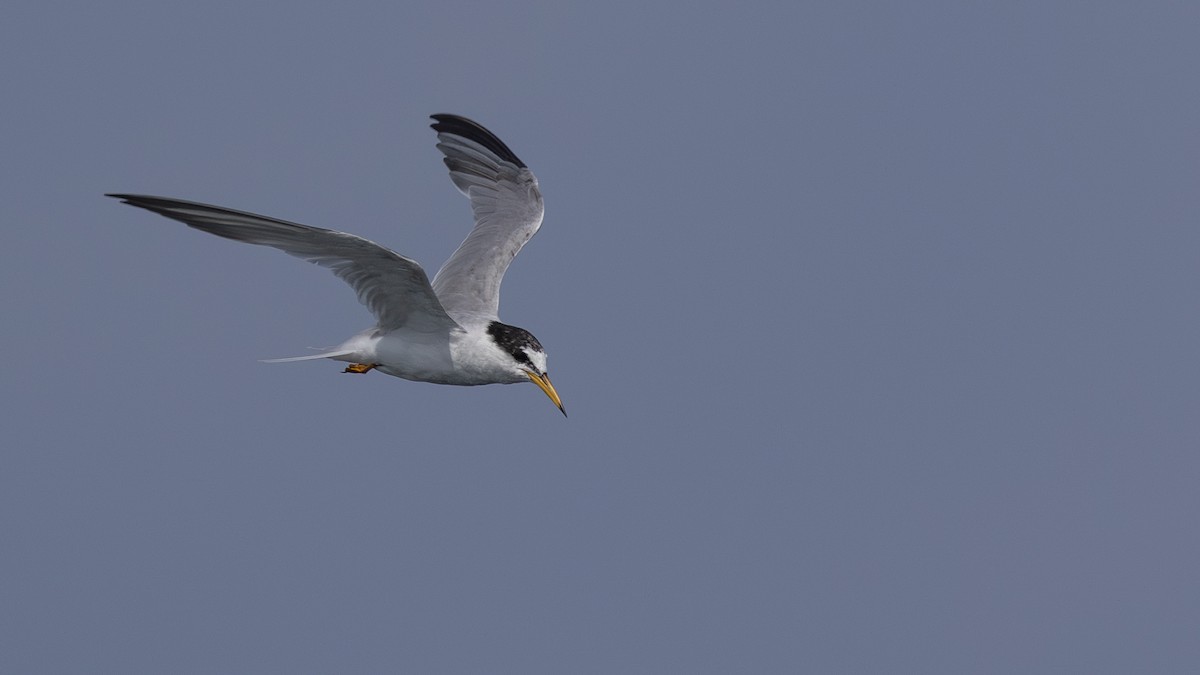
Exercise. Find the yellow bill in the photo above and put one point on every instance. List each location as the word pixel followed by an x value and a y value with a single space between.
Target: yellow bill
pixel 543 383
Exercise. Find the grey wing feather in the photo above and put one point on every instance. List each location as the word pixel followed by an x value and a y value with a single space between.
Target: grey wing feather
pixel 508 212
pixel 393 287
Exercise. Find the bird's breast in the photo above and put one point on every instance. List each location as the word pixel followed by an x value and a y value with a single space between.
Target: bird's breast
pixel 466 358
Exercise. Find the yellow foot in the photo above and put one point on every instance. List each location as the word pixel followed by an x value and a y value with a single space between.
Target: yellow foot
pixel 359 367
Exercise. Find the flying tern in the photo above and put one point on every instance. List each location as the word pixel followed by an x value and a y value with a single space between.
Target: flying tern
pixel 447 331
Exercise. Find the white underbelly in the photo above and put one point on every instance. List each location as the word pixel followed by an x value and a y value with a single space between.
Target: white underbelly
pixel 457 358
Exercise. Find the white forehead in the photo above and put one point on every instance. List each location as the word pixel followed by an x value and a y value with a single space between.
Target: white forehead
pixel 537 358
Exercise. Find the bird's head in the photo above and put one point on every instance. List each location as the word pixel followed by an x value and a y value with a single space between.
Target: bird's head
pixel 528 357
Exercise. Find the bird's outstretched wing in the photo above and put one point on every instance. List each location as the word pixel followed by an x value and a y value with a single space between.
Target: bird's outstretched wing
pixel 393 287
pixel 508 212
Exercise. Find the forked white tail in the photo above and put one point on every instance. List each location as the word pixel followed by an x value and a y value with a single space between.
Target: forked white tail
pixel 323 355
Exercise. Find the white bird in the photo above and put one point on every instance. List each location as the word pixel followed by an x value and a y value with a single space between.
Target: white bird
pixel 447 332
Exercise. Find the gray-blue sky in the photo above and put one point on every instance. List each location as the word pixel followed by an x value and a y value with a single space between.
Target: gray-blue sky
pixel 877 326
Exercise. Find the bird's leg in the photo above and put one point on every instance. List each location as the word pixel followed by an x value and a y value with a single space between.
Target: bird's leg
pixel 359 367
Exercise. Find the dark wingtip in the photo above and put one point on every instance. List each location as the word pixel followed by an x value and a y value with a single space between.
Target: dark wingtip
pixel 133 200
pixel 157 204
pixel 458 125
pixel 141 201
